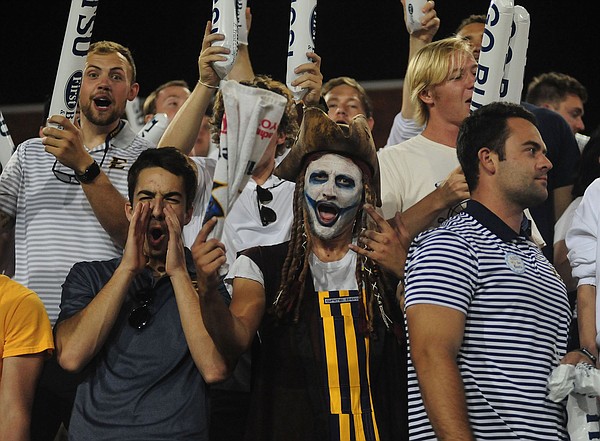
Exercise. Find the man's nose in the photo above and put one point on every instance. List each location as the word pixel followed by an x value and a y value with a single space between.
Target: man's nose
pixel 329 189
pixel 158 209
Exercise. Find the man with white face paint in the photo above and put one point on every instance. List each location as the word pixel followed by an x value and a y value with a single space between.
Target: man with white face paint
pixel 331 363
pixel 333 191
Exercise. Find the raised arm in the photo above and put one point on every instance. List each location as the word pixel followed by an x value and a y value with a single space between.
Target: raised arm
pixel 209 361
pixel 423 214
pixel 106 201
pixel 242 67
pixel 81 336
pixel 183 130
pixel 232 329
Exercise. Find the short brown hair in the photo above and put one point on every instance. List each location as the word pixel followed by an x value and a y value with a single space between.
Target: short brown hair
pixel 553 88
pixel 110 47
pixel 473 18
pixel 149 107
pixel 347 81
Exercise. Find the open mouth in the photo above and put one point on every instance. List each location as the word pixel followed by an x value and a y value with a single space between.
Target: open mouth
pixel 102 103
pixel 327 213
pixel 156 235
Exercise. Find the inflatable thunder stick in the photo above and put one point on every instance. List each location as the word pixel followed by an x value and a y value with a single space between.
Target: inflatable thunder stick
pixel 303 25
pixel 494 49
pixel 154 129
pixel 414 14
pixel 76 43
pixel 135 114
pixel 242 25
pixel 225 21
pixel 514 70
pixel 7 146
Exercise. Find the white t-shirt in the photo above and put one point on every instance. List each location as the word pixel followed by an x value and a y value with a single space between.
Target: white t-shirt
pixel 243 227
pixel 327 276
pixel 411 170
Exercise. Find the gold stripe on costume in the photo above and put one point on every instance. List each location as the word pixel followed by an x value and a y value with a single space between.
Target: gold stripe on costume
pixel 346 352
pixel 331 354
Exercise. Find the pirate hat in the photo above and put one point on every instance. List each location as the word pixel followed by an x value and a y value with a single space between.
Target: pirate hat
pixel 320 134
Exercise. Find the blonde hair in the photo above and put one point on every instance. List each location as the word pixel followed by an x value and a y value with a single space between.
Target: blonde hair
pixel 431 66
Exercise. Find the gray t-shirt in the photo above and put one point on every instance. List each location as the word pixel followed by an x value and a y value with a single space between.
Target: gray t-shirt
pixel 143 384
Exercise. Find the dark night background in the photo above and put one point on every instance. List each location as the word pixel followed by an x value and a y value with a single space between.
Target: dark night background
pixel 363 39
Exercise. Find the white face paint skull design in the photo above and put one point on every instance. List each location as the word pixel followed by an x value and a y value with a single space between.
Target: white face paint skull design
pixel 333 190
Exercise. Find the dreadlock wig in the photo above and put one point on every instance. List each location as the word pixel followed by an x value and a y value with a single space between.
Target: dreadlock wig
pixel 320 135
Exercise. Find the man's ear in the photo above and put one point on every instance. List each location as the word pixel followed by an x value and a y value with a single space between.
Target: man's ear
pixel 425 96
pixel 487 160
pixel 128 211
pixel 133 91
pixel 371 122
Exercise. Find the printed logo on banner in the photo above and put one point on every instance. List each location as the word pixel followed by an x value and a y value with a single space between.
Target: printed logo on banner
pixel 72 91
pixel 266 129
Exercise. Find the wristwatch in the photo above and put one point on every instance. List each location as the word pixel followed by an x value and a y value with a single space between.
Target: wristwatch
pixel 89 174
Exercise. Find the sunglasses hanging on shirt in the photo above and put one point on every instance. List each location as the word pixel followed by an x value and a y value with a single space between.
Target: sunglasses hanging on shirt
pixel 140 316
pixel 263 197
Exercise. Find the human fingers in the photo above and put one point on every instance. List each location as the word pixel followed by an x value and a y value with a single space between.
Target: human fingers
pixel 172 221
pixel 206 229
pixel 379 220
pixel 61 121
pixel 313 66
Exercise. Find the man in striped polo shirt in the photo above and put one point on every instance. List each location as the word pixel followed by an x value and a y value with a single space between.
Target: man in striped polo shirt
pixel 64 194
pixel 487 314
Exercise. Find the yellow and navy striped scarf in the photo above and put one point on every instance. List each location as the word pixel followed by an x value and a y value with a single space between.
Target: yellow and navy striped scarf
pixel 346 355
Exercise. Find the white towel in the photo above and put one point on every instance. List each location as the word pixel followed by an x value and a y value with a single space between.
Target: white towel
pixel 251 119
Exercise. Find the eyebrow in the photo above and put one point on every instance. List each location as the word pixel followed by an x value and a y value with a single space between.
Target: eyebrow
pixel 153 193
pixel 93 66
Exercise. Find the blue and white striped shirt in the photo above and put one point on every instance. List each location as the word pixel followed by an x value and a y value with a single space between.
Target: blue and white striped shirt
pixel 516 323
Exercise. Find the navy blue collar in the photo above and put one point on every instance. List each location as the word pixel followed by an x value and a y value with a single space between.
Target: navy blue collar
pixel 496 225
